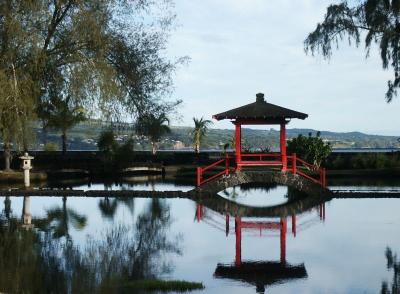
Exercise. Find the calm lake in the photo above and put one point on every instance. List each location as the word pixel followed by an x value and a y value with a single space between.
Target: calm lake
pixel 78 245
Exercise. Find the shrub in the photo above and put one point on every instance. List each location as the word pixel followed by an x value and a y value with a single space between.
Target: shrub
pixel 50 147
pixel 106 142
pixel 116 156
pixel 311 149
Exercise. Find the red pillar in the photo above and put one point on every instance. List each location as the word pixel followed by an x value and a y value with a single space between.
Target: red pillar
pixel 227 225
pixel 283 240
pixel 238 144
pixel 283 146
pixel 294 225
pixel 199 212
pixel 238 229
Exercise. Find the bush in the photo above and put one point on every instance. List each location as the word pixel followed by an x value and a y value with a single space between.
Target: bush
pixel 106 142
pixel 311 149
pixel 50 147
pixel 124 154
pixel 116 156
pixel 371 160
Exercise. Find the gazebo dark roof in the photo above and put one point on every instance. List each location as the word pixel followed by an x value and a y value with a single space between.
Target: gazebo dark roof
pixel 260 109
pixel 262 273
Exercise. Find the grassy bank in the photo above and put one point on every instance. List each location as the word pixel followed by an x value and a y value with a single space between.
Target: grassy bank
pixel 161 286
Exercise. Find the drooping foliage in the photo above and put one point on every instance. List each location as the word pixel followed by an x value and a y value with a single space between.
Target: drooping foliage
pixel 105 56
pixel 377 21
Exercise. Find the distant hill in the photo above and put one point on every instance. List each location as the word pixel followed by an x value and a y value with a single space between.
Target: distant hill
pixel 84 137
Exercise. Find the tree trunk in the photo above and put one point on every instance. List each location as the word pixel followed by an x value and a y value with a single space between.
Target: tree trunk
pixel 7 156
pixel 64 142
pixel 154 147
pixel 197 148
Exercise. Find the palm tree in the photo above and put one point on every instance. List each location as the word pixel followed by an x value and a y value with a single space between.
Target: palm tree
pixel 61 114
pixel 154 127
pixel 200 129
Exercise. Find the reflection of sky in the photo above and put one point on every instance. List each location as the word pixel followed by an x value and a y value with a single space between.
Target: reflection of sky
pixel 256 197
pixel 344 254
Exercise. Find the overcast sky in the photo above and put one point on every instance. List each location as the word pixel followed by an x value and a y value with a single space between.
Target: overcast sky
pixel 241 47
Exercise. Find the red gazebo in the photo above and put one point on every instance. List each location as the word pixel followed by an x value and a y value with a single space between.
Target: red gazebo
pixel 260 113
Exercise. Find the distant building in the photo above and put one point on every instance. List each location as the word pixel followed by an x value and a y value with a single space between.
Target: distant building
pixel 178 145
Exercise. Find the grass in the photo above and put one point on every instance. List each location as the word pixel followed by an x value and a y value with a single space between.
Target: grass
pixel 162 286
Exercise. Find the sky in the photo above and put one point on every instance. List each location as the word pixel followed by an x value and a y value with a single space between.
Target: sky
pixel 238 48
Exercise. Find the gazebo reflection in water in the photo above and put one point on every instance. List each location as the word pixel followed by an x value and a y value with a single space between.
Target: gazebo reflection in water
pixel 260 273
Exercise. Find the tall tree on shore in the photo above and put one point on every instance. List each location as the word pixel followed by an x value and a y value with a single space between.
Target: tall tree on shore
pixel 16 110
pixel 377 20
pixel 109 53
pixel 61 115
pixel 199 131
pixel 154 127
pixel 62 110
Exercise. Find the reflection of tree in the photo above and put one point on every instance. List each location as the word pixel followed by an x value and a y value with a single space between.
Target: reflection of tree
pixel 24 266
pixel 60 218
pixel 109 207
pixel 33 261
pixel 263 187
pixel 294 194
pixel 392 263
pixel 7 207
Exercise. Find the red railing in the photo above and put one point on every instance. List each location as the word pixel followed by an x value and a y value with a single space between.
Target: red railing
pixel 200 171
pixel 298 166
pixel 309 171
pixel 261 159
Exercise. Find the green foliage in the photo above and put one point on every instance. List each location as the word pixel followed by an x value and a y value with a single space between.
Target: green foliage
pixel 199 131
pixel 311 149
pixel 377 20
pixel 371 161
pixel 124 153
pixel 106 142
pixel 153 126
pixel 65 58
pixel 116 156
pixel 61 114
pixel 50 147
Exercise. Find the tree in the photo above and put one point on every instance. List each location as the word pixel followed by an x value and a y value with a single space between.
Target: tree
pixel 107 56
pixel 16 110
pixel 62 115
pixel 379 19
pixel 154 127
pixel 311 149
pixel 107 143
pixel 199 131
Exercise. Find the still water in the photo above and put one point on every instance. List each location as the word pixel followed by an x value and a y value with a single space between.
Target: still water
pixel 84 245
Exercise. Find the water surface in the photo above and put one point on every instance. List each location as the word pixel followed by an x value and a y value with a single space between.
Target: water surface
pixel 336 247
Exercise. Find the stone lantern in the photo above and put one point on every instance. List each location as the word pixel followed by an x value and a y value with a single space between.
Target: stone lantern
pixel 26 166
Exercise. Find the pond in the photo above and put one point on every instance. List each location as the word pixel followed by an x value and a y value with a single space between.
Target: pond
pixel 86 245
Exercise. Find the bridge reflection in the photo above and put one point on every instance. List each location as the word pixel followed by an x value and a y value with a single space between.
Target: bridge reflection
pixel 261 273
